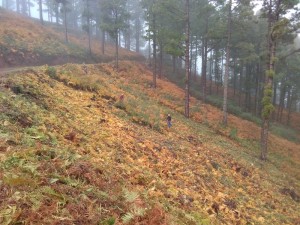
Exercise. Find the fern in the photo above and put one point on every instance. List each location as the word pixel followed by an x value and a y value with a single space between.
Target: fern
pixel 137 211
pixel 128 217
pixel 130 196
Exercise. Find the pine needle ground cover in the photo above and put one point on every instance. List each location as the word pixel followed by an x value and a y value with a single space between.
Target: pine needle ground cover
pixel 73 152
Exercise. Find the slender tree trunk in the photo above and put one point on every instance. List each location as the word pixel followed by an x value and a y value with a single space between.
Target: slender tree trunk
pixel 24 7
pixel 217 70
pixel 48 12
pixel 18 6
pixel 210 72
pixel 160 61
pixel 204 63
pixel 267 99
pixel 187 60
pixel 29 8
pixel 222 68
pixel 137 34
pixel 275 86
pixel 117 50
pixel 248 88
pixel 234 78
pixel 282 103
pixel 191 56
pixel 226 76
pixel 154 52
pixel 88 26
pixel 174 63
pixel 196 57
pixel 41 12
pixel 65 22
pixel 289 106
pixel 241 84
pixel 103 42
pixel 56 13
pixel 128 39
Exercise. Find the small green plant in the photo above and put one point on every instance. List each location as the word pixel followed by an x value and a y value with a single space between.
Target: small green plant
pixel 109 221
pixel 51 72
pixel 233 133
pixel 120 105
pixel 134 210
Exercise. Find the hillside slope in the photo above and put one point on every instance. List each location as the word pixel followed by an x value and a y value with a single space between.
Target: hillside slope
pixel 72 152
pixel 24 42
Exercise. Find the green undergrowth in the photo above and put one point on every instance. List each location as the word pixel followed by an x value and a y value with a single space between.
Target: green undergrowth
pixel 285 132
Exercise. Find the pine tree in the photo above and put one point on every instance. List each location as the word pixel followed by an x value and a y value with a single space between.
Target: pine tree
pixel 114 19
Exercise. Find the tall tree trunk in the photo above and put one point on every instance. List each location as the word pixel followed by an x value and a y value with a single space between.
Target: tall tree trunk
pixel 217 70
pixel 248 89
pixel 191 56
pixel 187 60
pixel 267 99
pixel 24 7
pixel 226 75
pixel 234 78
pixel 117 50
pixel 65 23
pixel 56 14
pixel 160 60
pixel 29 8
pixel 88 26
pixel 256 89
pixel 154 52
pixel 137 34
pixel 241 84
pixel 103 42
pixel 41 12
pixel 210 71
pixel 204 63
pixel 7 4
pixel 196 56
pixel 275 86
pixel 128 39
pixel 174 63
pixel 18 6
pixel 289 106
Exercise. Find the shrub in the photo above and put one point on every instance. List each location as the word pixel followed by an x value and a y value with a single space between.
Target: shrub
pixel 233 133
pixel 51 72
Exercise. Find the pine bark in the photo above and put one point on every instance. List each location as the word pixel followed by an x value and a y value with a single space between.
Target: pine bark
pixel 187 60
pixel 65 23
pixel 137 34
pixel 41 12
pixel 103 42
pixel 273 16
pixel 154 52
pixel 226 75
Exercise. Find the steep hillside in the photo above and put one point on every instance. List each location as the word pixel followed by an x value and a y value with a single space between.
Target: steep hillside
pixel 24 41
pixel 73 152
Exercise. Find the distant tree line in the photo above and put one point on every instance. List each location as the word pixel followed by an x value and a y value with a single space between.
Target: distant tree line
pixel 252 57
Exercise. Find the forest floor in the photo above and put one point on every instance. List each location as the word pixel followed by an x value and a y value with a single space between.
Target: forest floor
pixel 72 152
